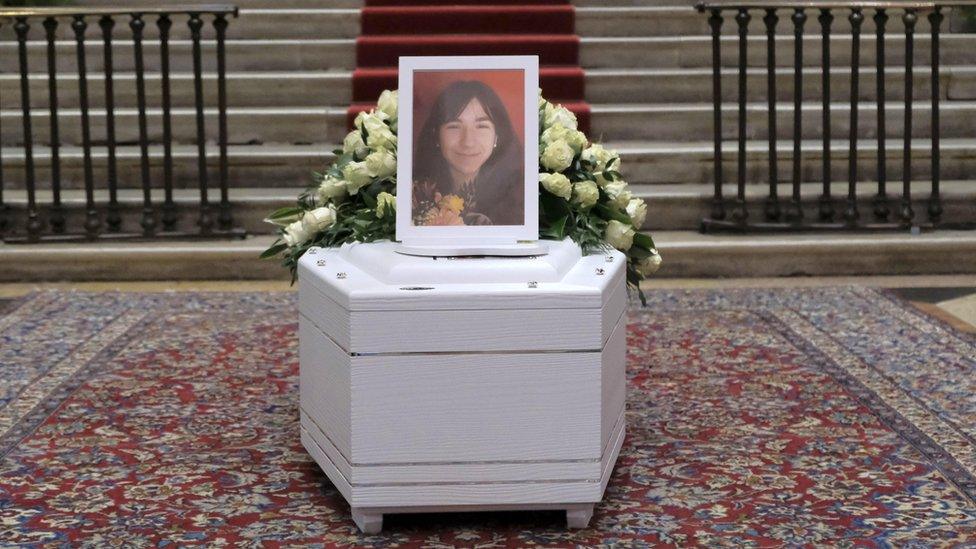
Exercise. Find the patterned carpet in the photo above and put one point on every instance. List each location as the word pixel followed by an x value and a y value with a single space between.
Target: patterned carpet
pixel 839 416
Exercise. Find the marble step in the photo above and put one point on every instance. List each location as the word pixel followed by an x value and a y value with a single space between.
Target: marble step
pixel 695 51
pixel 591 21
pixel 669 207
pixel 643 162
pixel 693 121
pixel 244 89
pixel 316 88
pixel 609 122
pixel 682 85
pixel 595 52
pixel 685 253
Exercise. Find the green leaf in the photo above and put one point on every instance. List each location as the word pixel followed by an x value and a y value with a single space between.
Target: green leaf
pixel 609 213
pixel 343 159
pixel 287 211
pixel 554 206
pixel 644 241
pixel 556 230
pixel 369 199
pixel 273 251
pixel 637 252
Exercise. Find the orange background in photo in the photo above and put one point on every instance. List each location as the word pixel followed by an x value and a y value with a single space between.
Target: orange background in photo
pixel 509 85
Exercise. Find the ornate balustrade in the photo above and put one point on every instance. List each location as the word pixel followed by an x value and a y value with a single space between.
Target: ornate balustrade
pixel 829 212
pixel 102 219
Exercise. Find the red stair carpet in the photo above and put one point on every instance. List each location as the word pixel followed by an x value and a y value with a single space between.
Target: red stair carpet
pixel 391 28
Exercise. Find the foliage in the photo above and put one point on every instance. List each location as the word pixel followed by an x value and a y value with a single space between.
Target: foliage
pixel 582 194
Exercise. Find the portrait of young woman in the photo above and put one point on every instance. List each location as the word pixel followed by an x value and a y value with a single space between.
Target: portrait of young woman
pixel 468 160
pixel 467 171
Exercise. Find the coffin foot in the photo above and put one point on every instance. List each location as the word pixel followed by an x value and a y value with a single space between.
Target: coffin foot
pixel 579 517
pixel 368 523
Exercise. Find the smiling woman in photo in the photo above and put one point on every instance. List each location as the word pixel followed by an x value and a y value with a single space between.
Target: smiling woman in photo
pixel 468 161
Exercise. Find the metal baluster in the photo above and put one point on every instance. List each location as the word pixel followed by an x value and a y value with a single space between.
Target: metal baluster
pixel 206 221
pixel 881 210
pixel 906 214
pixel 113 218
pixel 169 208
pixel 850 213
pixel 826 209
pixel 148 221
pixel 739 213
pixel 34 226
pixel 715 22
pixel 4 221
pixel 56 216
pixel 224 218
pixel 794 212
pixel 92 222
pixel 935 201
pixel 772 210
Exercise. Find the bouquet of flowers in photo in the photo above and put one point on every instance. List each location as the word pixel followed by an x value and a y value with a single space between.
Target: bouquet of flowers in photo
pixel 581 194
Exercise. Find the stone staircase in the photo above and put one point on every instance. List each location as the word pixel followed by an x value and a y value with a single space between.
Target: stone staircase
pixel 648 81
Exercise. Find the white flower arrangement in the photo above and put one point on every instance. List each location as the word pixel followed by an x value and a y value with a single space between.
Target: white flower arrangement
pixel 581 193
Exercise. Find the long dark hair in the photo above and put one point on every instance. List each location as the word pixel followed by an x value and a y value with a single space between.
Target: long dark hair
pixel 498 186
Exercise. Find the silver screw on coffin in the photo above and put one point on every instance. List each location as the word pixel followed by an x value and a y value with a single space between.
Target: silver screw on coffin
pixel 341 276
pixel 320 263
pixel 600 272
pixel 533 284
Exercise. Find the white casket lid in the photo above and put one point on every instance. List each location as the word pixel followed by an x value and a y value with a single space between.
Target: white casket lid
pixel 373 276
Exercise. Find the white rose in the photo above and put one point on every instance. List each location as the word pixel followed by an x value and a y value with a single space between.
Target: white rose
pixel 618 193
pixel 649 265
pixel 295 234
pixel 319 219
pixel 360 119
pixel 575 139
pixel 585 193
pixel 357 176
pixel 598 156
pixel 558 156
pixel 331 188
pixel 381 164
pixel 388 103
pixel 619 235
pixel 557 184
pixel 353 143
pixel 382 138
pixel 560 115
pixel 637 210
pixel 378 134
pixel 385 202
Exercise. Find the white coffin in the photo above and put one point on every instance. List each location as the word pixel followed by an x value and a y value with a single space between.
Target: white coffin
pixel 463 383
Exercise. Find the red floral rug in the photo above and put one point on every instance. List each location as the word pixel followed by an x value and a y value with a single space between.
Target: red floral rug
pixel 830 417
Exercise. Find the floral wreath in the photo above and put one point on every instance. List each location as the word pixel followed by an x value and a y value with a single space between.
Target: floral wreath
pixel 581 194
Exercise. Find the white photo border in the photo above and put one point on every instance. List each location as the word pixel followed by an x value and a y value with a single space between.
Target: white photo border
pixel 466 235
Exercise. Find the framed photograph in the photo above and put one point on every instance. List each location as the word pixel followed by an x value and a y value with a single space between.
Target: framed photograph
pixel 467 161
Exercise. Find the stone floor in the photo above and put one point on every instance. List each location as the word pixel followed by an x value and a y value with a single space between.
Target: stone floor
pixel 949 297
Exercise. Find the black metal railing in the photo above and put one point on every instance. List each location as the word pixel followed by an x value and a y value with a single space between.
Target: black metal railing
pixel 47 221
pixel 777 216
